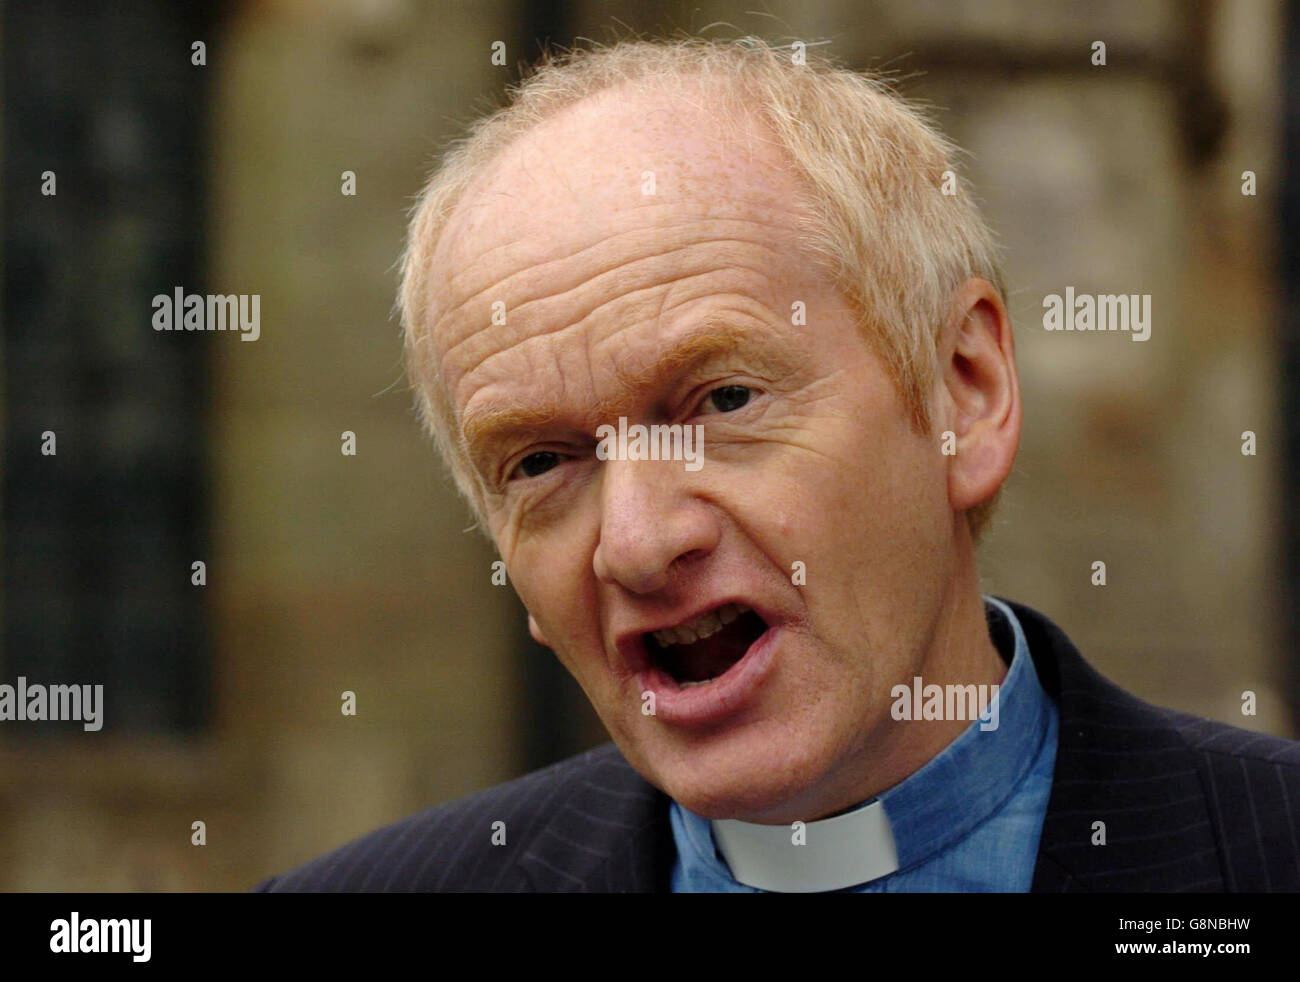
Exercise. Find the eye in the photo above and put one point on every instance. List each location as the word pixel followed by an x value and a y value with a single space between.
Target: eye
pixel 729 398
pixel 537 463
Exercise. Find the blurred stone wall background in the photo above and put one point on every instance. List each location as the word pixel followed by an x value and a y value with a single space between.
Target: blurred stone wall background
pixel 333 573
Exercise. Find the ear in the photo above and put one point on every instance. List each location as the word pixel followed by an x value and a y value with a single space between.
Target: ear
pixel 979 393
pixel 535 630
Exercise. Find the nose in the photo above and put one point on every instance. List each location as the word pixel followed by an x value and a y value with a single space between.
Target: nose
pixel 650 523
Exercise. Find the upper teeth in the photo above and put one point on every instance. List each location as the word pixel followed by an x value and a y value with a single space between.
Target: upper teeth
pixel 701 627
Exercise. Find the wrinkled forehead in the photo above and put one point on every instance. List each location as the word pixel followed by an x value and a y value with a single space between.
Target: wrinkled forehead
pixel 615 188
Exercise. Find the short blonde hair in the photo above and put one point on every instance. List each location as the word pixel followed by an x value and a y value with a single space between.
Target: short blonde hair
pixel 895 227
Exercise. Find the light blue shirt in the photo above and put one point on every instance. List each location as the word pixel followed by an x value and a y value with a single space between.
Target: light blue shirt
pixel 968 821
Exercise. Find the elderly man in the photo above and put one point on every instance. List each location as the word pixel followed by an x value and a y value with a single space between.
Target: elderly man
pixel 716 347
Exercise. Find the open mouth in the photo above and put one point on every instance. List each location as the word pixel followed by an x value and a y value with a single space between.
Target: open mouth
pixel 704 648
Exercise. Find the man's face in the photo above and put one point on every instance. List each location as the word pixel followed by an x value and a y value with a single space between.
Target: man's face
pixel 817 507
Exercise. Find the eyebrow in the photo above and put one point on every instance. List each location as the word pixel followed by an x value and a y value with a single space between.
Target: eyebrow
pixel 714 337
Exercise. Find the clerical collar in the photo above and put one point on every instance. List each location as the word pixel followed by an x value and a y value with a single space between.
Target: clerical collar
pixel 831 854
pixel 968 781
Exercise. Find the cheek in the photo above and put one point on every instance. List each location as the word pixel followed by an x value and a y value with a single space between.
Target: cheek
pixel 868 522
pixel 865 491
pixel 910 490
pixel 553 577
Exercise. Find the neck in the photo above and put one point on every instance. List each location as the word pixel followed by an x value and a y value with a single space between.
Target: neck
pixel 960 652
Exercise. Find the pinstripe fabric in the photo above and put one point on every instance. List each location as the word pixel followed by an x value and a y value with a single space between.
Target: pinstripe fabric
pixel 589 823
pixel 1187 805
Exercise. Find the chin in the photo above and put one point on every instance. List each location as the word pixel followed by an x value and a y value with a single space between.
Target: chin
pixel 753 783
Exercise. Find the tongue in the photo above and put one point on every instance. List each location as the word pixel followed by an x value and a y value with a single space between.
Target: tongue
pixel 711 656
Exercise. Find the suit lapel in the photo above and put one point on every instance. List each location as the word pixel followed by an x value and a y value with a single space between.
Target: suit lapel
pixel 1120 763
pixel 611 835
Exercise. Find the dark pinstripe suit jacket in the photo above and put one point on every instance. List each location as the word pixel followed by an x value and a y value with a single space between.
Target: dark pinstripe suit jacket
pixel 1188 805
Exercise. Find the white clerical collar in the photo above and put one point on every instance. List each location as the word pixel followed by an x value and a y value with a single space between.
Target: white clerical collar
pixel 810 857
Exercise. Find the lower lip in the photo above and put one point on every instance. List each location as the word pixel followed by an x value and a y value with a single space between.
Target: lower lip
pixel 730 692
